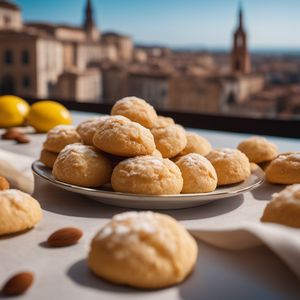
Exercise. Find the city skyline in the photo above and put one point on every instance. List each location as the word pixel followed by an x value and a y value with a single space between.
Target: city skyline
pixel 206 24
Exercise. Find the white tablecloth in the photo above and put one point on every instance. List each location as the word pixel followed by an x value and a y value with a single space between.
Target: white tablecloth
pixel 248 273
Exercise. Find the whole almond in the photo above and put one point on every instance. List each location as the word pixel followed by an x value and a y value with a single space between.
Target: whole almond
pixel 64 237
pixel 22 139
pixel 18 284
pixel 11 134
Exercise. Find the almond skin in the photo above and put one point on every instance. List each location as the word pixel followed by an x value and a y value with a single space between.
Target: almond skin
pixel 64 237
pixel 22 139
pixel 18 284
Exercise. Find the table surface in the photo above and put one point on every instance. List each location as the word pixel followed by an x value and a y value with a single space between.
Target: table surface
pixel 62 273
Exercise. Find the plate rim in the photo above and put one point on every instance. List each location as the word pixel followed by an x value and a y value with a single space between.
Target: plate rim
pixel 155 198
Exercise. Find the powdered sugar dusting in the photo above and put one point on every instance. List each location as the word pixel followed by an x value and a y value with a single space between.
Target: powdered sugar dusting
pixel 105 232
pixel 293 157
pixel 12 195
pixel 143 221
pixel 91 124
pixel 141 165
pixel 131 101
pixel 227 150
pixel 223 153
pixel 290 194
pixel 194 159
pixel 117 118
pixel 57 129
pixel 79 148
pixel 129 224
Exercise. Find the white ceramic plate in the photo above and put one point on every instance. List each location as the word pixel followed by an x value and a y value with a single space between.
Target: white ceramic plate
pixel 107 196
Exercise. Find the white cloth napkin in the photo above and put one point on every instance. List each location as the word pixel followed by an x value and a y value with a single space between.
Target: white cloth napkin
pixel 17 169
pixel 235 230
pixel 282 240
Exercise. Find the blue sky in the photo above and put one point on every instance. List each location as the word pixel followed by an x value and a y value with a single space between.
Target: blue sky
pixel 206 23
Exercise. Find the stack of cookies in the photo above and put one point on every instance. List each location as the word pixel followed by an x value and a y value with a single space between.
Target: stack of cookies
pixel 139 152
pixel 57 138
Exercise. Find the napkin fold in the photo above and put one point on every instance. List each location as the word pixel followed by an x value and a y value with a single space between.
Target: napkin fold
pixel 233 235
pixel 17 169
pixel 282 240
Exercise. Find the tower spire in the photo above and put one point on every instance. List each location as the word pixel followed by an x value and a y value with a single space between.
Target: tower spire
pixel 89 24
pixel 241 16
pixel 89 19
pixel 240 59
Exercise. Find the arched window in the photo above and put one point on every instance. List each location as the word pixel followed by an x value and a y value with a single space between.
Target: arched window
pixel 25 57
pixel 8 57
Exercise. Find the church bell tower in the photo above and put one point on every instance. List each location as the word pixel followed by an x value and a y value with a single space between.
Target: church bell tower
pixel 89 24
pixel 240 60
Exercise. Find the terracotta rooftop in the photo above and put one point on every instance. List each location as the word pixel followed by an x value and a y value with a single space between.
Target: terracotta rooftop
pixel 9 5
pixel 52 26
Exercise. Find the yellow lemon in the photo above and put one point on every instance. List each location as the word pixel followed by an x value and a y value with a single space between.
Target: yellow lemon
pixel 13 111
pixel 44 115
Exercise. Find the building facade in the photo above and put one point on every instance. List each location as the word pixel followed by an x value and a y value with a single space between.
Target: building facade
pixel 43 60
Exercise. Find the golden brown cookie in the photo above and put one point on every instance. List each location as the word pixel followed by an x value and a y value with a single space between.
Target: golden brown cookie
pixel 163 122
pixel 196 144
pixel 147 175
pixel 122 137
pixel 231 165
pixel 170 140
pixel 18 211
pixel 82 165
pixel 199 175
pixel 284 207
pixel 156 153
pixel 61 136
pixel 285 169
pixel 88 128
pixel 137 110
pixel 152 251
pixel 48 158
pixel 258 149
pixel 4 184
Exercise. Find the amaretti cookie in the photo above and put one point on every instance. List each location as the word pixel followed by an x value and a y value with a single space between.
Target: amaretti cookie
pixel 122 137
pixel 196 144
pixel 82 165
pixel 61 136
pixel 137 110
pixel 88 128
pixel 258 149
pixel 285 169
pixel 48 158
pixel 284 207
pixel 170 140
pixel 163 122
pixel 231 165
pixel 147 175
pixel 199 175
pixel 18 211
pixel 144 250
